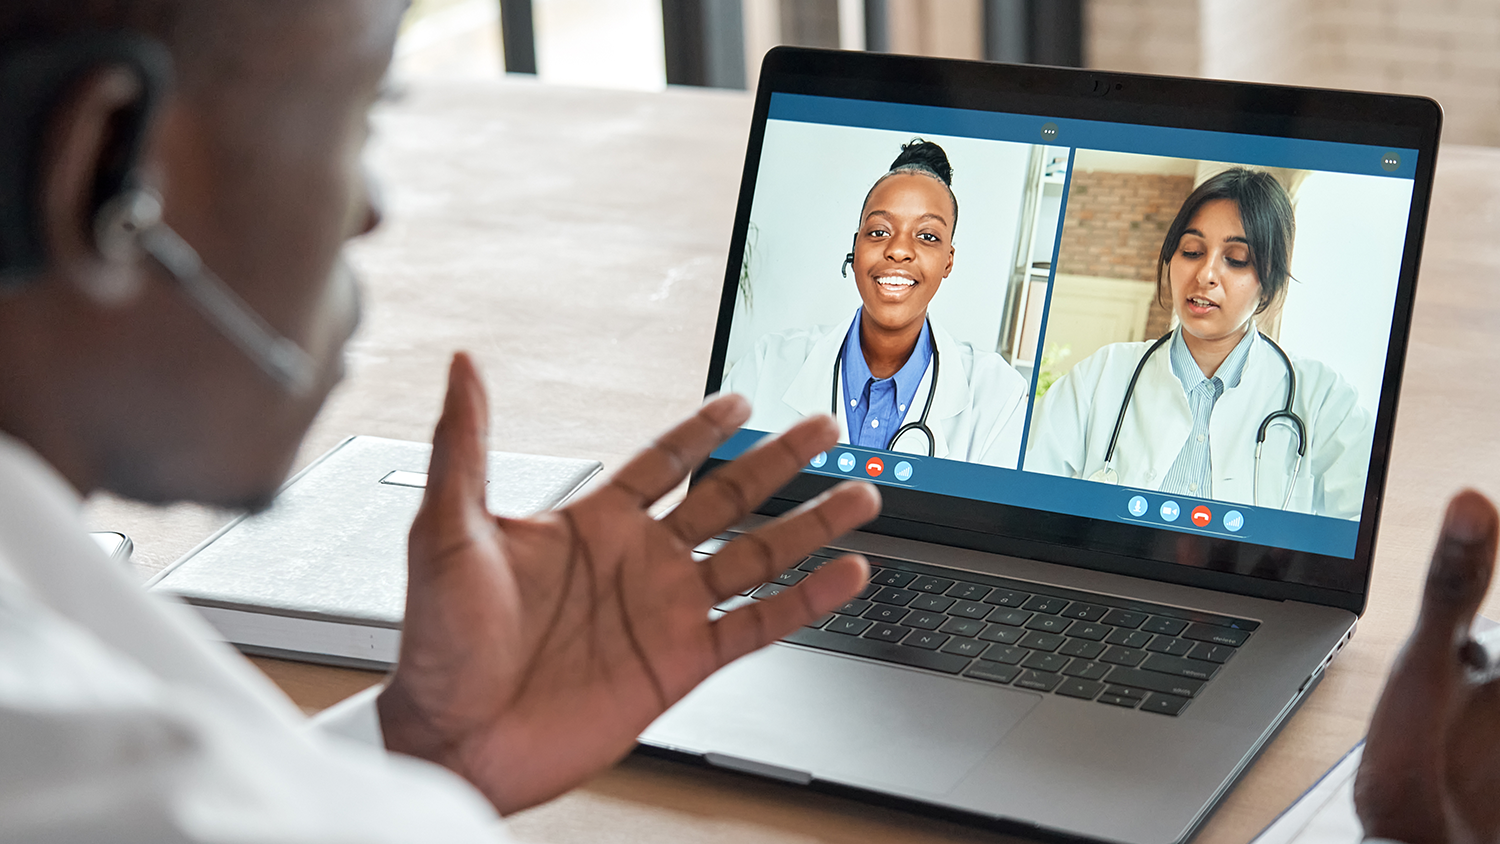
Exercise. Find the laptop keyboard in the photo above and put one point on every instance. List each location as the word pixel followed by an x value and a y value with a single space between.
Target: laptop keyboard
pixel 1044 639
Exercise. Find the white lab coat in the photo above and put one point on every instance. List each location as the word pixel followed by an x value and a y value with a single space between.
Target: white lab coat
pixel 978 412
pixel 1071 427
pixel 123 721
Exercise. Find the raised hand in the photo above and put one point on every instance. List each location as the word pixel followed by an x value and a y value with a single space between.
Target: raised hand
pixel 1430 773
pixel 534 651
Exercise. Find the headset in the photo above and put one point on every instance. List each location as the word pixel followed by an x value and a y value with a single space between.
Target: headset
pixel 34 77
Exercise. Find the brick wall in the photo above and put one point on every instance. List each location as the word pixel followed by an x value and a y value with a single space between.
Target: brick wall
pixel 1114 225
pixel 1445 49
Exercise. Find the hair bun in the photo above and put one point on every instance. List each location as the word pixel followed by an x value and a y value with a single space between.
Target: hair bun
pixel 924 155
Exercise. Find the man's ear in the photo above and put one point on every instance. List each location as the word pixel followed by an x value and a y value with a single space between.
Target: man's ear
pixel 88 157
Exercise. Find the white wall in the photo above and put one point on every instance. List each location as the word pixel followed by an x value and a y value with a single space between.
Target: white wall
pixel 1350 233
pixel 811 187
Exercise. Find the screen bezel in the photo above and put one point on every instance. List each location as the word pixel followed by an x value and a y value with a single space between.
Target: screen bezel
pixel 1244 108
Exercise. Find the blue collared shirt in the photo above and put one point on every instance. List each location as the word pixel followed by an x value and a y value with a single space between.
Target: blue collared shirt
pixel 875 407
pixel 1192 472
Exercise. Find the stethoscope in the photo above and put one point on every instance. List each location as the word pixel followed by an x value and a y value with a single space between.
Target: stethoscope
pixel 921 424
pixel 1284 416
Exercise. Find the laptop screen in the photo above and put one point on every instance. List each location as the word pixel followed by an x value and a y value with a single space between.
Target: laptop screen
pixel 1155 332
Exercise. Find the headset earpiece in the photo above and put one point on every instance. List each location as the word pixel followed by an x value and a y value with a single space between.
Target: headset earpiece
pixel 848 259
pixel 121 221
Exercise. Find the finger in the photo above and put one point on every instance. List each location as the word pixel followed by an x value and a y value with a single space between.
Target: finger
pixel 1399 789
pixel 759 556
pixel 734 490
pixel 662 465
pixel 456 472
pixel 760 623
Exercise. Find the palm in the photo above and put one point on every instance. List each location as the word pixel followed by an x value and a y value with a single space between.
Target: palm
pixel 535 650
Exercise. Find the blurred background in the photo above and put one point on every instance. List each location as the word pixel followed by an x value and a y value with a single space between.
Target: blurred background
pixel 1445 49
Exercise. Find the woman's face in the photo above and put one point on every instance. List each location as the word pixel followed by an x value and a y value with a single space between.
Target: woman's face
pixel 904 249
pixel 1215 289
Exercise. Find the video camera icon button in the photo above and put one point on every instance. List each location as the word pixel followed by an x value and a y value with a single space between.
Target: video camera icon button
pixel 1170 511
pixel 846 462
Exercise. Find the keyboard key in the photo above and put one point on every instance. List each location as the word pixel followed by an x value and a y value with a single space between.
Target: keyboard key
pixel 1124 618
pixel 1008 654
pixel 1074 687
pixel 1086 612
pixel 969 609
pixel 1091 630
pixel 1001 633
pixel 964 647
pixel 770 590
pixel 733 603
pixel 1082 648
pixel 1039 680
pixel 1048 623
pixel 1086 670
pixel 969 592
pixel 869 590
pixel 790 577
pixel 1007 598
pixel 1116 700
pixel 1164 704
pixel 892 577
pixel 994 672
pixel 885 613
pixel 819 622
pixel 1005 615
pixel 1172 647
pixel 924 620
pixel 898 597
pixel 1125 638
pixel 1152 681
pixel 1162 624
pixel 712 546
pixel 1212 653
pixel 933 603
pixel 962 626
pixel 1045 662
pixel 1181 666
pixel 812 564
pixel 931 585
pixel 1215 634
pixel 848 626
pixel 887 632
pixel 855 606
pixel 1126 691
pixel 1041 603
pixel 946 663
pixel 1037 640
pixel 1126 656
pixel 926 640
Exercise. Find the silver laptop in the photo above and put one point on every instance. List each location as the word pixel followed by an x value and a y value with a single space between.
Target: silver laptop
pixel 1130 412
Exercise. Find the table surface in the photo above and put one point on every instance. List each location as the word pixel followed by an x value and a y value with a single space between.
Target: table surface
pixel 575 241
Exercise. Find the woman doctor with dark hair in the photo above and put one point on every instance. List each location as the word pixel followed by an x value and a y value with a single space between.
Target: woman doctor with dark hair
pixel 892 377
pixel 1214 409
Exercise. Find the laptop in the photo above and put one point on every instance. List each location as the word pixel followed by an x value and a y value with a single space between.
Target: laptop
pixel 1093 602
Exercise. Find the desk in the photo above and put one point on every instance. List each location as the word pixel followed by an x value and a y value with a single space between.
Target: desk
pixel 575 242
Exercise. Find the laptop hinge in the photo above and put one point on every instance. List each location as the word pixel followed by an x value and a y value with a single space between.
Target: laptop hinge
pixel 750 766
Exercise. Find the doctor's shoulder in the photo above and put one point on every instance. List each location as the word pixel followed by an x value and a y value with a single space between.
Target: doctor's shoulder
pixel 1323 392
pixel 1103 368
pixel 771 352
pixel 990 374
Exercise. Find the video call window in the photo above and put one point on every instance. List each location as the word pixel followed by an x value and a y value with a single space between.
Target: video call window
pixel 1230 277
pixel 974 312
pixel 909 307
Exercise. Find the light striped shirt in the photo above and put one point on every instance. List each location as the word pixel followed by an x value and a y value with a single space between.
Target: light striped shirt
pixel 1192 471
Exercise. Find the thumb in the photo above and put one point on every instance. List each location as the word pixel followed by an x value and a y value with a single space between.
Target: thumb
pixel 1458 578
pixel 456 473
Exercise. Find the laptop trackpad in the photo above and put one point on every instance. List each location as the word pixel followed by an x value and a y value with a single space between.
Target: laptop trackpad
pixel 843 720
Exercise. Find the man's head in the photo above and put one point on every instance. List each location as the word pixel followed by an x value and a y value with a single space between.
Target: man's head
pixel 106 369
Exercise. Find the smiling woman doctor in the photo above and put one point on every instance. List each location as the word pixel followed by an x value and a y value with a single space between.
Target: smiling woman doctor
pixel 1214 409
pixel 893 378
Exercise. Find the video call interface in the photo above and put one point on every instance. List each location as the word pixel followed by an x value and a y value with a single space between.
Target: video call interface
pixel 1176 328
